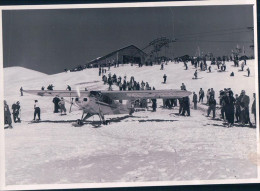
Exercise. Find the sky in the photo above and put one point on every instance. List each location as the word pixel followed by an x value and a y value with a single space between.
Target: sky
pixel 51 40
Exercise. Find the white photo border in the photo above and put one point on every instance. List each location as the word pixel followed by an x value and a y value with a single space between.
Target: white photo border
pixel 125 184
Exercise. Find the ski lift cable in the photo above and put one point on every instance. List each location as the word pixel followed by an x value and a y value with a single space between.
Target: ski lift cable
pixel 220 30
pixel 217 34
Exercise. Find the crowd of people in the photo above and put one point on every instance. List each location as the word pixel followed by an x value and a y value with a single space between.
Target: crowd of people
pixel 232 109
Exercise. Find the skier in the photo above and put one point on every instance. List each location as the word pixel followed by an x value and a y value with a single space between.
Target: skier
pixel 164 78
pixel 37 110
pixel 195 100
pixel 212 106
pixel 62 106
pixel 7 115
pixel 209 68
pixel 201 94
pixel 21 90
pixel 56 101
pixel 42 88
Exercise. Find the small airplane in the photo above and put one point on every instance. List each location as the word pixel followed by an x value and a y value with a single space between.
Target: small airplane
pixel 109 102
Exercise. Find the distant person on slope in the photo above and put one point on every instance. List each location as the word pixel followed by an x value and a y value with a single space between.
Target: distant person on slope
pixel 183 87
pixel 68 88
pixel 21 90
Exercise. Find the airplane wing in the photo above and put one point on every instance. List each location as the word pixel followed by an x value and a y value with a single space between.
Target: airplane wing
pixel 146 94
pixel 115 95
pixel 53 93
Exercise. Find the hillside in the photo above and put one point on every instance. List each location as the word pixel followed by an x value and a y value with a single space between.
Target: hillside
pixel 159 146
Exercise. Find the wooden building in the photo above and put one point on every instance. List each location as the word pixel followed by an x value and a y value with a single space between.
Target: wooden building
pixel 129 54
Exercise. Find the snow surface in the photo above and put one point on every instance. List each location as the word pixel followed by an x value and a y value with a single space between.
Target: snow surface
pixel 159 146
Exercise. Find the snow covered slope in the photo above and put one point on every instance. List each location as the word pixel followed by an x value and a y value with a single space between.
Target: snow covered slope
pixel 158 146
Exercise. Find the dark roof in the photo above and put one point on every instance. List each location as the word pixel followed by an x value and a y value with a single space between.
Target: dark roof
pixel 114 52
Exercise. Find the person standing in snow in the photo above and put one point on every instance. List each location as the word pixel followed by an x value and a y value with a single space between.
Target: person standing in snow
pixel 56 101
pixel 183 87
pixel 212 106
pixel 7 115
pixel 237 108
pixel 201 94
pixel 196 74
pixel 154 104
pixel 253 109
pixel 244 102
pixel 186 106
pixel 37 110
pixel 195 100
pixel 229 101
pixel 68 88
pixel 208 95
pixel 62 106
pixel 21 90
pixel 164 78
pixel 248 72
pixel 161 66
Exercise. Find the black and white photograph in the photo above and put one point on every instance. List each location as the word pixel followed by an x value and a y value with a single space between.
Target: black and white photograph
pixel 130 94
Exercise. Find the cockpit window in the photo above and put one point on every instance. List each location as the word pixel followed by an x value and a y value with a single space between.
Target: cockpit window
pixel 85 99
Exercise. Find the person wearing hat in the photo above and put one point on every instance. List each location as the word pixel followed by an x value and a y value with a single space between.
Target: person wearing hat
pixel 229 108
pixel 7 115
pixel 244 102
pixel 37 110
pixel 62 106
pixel 56 101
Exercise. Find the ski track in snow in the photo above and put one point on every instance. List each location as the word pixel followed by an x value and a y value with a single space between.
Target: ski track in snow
pixel 190 148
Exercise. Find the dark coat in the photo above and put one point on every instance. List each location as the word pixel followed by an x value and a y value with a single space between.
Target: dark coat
pixel 195 98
